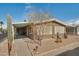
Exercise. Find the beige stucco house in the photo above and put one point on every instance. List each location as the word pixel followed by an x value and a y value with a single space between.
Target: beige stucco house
pixel 73 29
pixel 77 29
pixel 47 28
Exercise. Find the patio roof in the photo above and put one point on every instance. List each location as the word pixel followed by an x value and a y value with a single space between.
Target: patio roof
pixel 20 24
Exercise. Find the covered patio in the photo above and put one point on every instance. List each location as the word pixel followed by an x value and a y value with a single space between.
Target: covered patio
pixel 22 29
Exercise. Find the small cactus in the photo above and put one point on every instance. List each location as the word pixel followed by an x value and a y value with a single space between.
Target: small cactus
pixel 65 35
pixel 58 38
pixel 35 50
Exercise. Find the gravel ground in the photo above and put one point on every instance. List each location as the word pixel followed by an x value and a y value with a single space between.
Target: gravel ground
pixel 46 46
pixel 24 47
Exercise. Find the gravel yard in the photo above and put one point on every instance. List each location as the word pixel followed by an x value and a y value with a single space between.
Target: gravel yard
pixel 47 45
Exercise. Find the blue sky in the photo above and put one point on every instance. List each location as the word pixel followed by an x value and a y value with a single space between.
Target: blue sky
pixel 63 11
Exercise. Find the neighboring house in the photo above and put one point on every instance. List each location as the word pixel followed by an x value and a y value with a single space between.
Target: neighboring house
pixel 47 28
pixel 71 29
pixel 77 29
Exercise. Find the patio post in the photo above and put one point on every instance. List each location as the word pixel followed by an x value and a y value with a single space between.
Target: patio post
pixel 33 31
pixel 74 30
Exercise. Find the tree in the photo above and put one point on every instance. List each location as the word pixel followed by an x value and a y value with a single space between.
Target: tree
pixel 38 16
pixel 1 23
pixel 24 20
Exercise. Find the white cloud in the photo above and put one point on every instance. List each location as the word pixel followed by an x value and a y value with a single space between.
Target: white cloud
pixel 4 26
pixel 28 7
pixel 77 21
pixel 73 21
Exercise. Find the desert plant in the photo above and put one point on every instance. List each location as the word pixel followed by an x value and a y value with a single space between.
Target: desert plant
pixel 38 16
pixel 10 33
pixel 35 50
pixel 1 23
pixel 65 35
pixel 58 39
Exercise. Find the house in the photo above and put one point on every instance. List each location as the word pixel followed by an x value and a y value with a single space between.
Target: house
pixel 77 28
pixel 71 29
pixel 46 28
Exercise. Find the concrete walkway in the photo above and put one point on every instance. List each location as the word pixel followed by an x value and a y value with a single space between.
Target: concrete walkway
pixel 22 48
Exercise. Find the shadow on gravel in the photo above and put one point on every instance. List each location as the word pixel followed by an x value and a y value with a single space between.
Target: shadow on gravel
pixel 20 36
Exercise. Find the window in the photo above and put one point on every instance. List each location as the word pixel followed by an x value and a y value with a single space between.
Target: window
pixel 44 30
pixel 59 29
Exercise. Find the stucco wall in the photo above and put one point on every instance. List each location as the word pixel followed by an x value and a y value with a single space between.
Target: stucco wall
pixel 50 28
pixel 78 30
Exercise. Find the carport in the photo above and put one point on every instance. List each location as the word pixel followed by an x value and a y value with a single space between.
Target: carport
pixel 22 29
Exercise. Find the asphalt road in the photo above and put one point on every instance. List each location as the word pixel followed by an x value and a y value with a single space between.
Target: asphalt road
pixel 74 52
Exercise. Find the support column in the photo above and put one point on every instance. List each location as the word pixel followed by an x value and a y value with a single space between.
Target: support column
pixel 14 32
pixel 53 32
pixel 33 32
